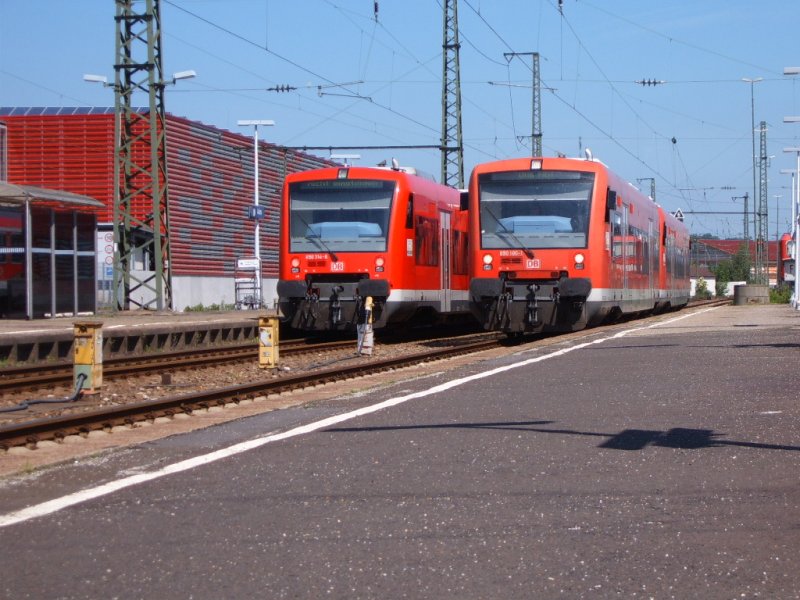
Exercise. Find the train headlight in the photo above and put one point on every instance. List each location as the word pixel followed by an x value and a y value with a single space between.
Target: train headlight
pixel 579 259
pixel 295 265
pixel 379 262
pixel 487 262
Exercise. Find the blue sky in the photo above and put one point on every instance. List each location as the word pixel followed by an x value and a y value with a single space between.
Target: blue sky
pixel 366 82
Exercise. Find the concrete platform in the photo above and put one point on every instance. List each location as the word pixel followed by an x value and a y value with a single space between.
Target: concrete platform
pixel 657 460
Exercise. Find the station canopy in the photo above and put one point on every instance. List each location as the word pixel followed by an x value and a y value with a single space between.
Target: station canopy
pixel 19 194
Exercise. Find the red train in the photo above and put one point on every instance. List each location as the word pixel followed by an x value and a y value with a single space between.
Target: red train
pixel 557 244
pixel 786 270
pixel 12 262
pixel 352 232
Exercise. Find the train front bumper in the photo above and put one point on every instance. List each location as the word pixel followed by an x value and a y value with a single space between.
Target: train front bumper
pixel 514 305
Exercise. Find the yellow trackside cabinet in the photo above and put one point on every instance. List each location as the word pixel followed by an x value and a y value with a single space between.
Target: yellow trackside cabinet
pixel 88 345
pixel 267 342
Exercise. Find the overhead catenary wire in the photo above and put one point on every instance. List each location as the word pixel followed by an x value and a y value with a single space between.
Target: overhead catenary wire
pixel 572 106
pixel 350 116
pixel 292 62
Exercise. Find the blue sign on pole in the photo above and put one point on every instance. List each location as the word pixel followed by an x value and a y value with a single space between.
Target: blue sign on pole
pixel 255 212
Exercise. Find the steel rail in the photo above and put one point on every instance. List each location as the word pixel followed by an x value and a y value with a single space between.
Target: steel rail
pixel 38 376
pixel 56 428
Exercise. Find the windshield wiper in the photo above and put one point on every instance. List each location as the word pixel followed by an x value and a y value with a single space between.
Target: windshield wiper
pixel 528 251
pixel 318 240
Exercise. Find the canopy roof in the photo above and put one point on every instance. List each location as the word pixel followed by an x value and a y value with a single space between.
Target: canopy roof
pixel 11 192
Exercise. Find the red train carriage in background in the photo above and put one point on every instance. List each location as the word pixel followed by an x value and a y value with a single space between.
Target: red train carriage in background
pixel 352 232
pixel 786 263
pixel 559 243
pixel 674 284
pixel 12 261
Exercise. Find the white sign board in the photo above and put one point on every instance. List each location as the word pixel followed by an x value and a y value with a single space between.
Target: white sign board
pixel 247 263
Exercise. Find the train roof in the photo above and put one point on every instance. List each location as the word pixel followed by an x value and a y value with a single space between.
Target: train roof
pixel 357 168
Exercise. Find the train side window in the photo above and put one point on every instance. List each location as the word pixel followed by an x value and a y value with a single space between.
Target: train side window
pixel 427 241
pixel 611 203
pixel 410 212
pixel 460 243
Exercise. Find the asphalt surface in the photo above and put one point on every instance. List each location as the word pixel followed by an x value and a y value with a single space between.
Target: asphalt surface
pixel 664 463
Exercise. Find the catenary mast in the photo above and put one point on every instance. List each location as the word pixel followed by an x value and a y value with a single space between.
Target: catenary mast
pixel 762 235
pixel 141 220
pixel 452 141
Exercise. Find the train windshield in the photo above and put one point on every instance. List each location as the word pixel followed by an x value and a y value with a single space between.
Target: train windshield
pixel 535 209
pixel 339 215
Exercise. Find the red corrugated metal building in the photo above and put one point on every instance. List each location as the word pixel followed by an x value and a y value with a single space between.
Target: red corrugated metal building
pixel 210 188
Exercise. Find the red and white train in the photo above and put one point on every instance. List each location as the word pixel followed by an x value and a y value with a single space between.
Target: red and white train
pixel 786 268
pixel 558 243
pixel 352 232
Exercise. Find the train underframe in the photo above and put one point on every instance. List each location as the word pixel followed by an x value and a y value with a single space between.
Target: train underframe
pixel 337 305
pixel 518 306
pixel 334 304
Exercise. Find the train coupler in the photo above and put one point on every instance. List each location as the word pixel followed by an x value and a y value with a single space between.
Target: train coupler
pixel 502 311
pixel 336 305
pixel 309 312
pixel 532 306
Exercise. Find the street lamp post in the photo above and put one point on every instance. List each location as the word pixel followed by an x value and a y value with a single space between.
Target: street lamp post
pixel 256 213
pixel 777 230
pixel 795 202
pixel 793 173
pixel 796 224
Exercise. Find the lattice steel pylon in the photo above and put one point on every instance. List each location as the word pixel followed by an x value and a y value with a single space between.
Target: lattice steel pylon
pixel 141 219
pixel 452 141
pixel 536 135
pixel 762 229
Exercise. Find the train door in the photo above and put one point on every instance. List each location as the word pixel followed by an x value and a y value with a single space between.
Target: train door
pixel 445 235
pixel 620 252
pixel 651 257
pixel 628 257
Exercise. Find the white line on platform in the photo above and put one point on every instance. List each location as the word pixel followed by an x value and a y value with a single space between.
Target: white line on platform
pixel 52 506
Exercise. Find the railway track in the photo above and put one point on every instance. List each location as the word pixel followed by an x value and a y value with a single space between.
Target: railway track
pixel 31 377
pixel 56 428
pixel 30 433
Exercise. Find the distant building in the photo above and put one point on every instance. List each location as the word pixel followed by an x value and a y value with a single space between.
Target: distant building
pixel 706 254
pixel 211 180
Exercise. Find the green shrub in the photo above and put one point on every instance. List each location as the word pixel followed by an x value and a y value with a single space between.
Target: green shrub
pixel 701 291
pixel 210 308
pixel 780 295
